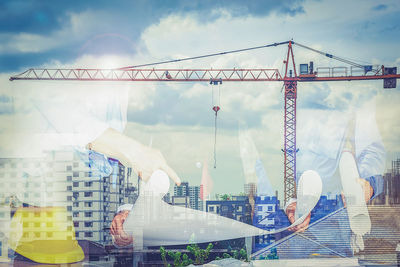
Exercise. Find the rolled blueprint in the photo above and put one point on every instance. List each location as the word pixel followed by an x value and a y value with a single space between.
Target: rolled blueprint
pixel 152 222
pixel 360 222
pixel 308 193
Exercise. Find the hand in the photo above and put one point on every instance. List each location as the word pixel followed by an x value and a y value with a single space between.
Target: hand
pixel 148 160
pixel 290 210
pixel 119 236
pixel 145 160
pixel 367 189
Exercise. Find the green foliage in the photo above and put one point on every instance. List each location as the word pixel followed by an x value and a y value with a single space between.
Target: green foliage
pixel 200 255
pixel 180 259
pixel 239 255
pixel 186 260
pixel 225 197
pixel 176 256
pixel 235 254
pixel 164 257
pixel 273 255
pixel 243 255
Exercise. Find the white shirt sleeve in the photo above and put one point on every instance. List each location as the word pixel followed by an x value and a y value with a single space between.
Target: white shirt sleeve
pixel 125 207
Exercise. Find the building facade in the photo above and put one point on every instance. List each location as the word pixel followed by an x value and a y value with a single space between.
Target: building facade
pixel 65 179
pixel 192 192
pixel 237 208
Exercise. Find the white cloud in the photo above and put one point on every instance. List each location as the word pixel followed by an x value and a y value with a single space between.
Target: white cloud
pixel 178 36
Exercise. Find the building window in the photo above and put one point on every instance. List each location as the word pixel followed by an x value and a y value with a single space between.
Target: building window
pixel 69 198
pixel 88 234
pixel 259 208
pixel 88 224
pixel 69 178
pixel 88 174
pixel 269 208
pixel 76 234
pixel 69 188
pixel 88 194
pixel 211 209
pixel 75 184
pixel 88 204
pixel 75 174
pixel 76 224
pixel 49 234
pixel 88 214
pixel 76 204
pixel 88 184
pixel 69 168
pixel 69 208
pixel 75 214
pixel 76 164
pixel 75 195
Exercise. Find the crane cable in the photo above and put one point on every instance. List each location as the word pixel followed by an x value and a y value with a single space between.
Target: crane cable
pixel 215 141
pixel 204 56
pixel 364 67
pixel 215 108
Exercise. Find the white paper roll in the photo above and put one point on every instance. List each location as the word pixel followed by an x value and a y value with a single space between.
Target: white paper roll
pixel 360 222
pixel 152 222
pixel 308 193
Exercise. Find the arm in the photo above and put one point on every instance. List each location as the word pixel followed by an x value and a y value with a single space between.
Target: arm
pixel 144 160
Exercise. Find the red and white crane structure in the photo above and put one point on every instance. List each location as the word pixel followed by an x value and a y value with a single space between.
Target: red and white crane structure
pixel 355 72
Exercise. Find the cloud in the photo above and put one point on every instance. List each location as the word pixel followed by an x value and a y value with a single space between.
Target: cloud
pixel 179 115
pixel 380 7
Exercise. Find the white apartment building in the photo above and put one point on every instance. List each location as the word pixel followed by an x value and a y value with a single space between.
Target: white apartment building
pixel 64 178
pixel 195 202
pixel 192 192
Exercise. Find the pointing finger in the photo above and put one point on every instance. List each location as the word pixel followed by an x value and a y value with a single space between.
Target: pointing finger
pixel 171 173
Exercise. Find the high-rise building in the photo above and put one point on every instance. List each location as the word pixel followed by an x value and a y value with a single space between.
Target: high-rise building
pixel 391 186
pixel 250 189
pixel 64 178
pixel 193 192
pixel 181 190
pixel 95 200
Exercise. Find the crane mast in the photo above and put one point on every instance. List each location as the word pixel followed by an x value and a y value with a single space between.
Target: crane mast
pixel 134 73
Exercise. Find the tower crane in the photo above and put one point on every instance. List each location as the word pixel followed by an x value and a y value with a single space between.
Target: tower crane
pixel 290 78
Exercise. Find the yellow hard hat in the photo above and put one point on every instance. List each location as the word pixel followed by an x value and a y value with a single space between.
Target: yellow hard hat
pixel 44 235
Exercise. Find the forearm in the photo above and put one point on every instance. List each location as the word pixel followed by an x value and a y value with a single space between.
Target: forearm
pixel 116 145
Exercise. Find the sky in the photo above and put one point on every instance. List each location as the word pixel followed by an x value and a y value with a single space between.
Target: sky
pixel 177 118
